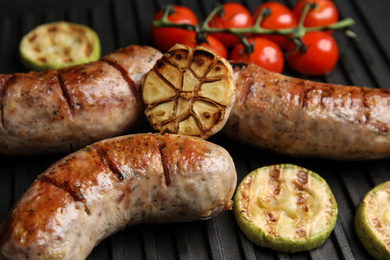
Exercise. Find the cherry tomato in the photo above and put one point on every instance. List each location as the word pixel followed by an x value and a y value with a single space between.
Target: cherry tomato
pixel 234 15
pixel 320 57
pixel 266 54
pixel 324 13
pixel 280 17
pixel 212 43
pixel 165 37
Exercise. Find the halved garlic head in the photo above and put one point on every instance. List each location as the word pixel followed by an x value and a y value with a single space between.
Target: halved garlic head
pixel 189 91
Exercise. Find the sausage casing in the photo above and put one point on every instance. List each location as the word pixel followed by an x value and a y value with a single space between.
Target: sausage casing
pixel 309 119
pixel 96 191
pixel 63 110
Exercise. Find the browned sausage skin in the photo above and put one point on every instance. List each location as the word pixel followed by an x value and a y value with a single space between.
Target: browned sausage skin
pixel 66 109
pixel 309 119
pixel 96 191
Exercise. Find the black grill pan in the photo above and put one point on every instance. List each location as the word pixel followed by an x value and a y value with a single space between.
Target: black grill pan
pixel 124 22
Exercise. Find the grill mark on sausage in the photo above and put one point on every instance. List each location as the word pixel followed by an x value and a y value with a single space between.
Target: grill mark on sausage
pixel 306 91
pixel 127 78
pixel 164 159
pixel 115 168
pixel 381 127
pixel 366 107
pixel 73 191
pixel 65 94
pixel 362 116
pixel 245 92
pixel 242 76
pixel 3 87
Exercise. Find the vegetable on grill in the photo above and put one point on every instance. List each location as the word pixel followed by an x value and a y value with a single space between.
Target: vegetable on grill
pixel 59 44
pixel 285 207
pixel 189 91
pixel 372 221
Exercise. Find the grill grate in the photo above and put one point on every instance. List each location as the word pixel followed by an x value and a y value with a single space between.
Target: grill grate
pixel 123 22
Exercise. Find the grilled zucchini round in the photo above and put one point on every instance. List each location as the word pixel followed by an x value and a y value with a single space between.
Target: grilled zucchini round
pixel 59 44
pixel 285 207
pixel 372 221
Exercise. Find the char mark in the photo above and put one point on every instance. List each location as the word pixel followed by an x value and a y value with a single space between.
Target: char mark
pixel 164 159
pixel 65 93
pixel 127 78
pixel 4 79
pixel 73 191
pixel 305 95
pixel 245 92
pixel 113 166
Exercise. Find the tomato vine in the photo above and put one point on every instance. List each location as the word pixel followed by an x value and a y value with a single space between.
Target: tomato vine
pixel 295 34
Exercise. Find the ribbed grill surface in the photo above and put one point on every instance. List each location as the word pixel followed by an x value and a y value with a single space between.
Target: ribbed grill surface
pixel 124 22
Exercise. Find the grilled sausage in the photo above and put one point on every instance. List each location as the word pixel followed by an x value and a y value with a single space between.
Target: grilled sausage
pixel 66 109
pixel 309 119
pixel 127 180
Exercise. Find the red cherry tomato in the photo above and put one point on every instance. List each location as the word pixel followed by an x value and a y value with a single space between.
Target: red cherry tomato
pixel 280 17
pixel 234 15
pixel 324 13
pixel 165 37
pixel 320 57
pixel 266 54
pixel 212 43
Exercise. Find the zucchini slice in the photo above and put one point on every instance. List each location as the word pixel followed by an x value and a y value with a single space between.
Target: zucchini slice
pixel 59 44
pixel 372 221
pixel 285 207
